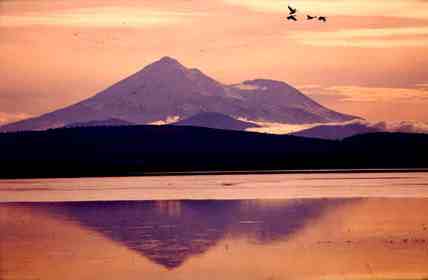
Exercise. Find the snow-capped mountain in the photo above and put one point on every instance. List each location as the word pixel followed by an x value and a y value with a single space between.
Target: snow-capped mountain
pixel 166 89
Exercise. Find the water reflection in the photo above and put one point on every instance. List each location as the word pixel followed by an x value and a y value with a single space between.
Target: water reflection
pixel 169 232
pixel 237 240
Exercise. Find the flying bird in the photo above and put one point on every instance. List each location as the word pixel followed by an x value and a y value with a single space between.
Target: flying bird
pixel 292 17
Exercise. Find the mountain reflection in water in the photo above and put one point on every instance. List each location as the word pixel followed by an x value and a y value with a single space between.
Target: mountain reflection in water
pixel 169 232
pixel 303 239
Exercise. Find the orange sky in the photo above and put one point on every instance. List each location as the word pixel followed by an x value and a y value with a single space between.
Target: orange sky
pixel 368 60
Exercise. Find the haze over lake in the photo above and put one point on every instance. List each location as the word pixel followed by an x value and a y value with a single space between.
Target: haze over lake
pixel 273 226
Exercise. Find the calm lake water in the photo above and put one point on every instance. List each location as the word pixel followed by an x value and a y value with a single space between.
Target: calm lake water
pixel 278 226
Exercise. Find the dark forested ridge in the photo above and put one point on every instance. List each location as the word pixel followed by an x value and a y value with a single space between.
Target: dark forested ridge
pixel 130 150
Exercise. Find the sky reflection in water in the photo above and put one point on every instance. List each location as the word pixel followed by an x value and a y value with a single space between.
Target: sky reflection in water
pixel 216 239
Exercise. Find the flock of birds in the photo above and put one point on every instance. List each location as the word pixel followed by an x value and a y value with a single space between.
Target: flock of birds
pixel 292 15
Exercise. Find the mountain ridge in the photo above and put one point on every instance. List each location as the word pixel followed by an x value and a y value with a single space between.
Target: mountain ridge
pixel 334 132
pixel 215 120
pixel 166 88
pixel 140 149
pixel 108 122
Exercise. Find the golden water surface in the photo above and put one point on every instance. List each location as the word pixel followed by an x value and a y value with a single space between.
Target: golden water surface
pixel 348 237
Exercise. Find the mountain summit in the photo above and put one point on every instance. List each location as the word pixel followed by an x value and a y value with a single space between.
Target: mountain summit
pixel 166 90
pixel 215 120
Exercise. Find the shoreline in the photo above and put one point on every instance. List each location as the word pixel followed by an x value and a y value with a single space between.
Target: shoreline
pixel 231 172
pixel 218 187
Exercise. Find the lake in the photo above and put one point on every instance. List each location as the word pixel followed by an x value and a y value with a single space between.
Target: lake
pixel 272 226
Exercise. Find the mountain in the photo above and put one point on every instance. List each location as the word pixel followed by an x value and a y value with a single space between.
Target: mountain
pixel 341 131
pixel 166 89
pixel 135 150
pixel 275 101
pixel 215 120
pixel 109 122
pixel 336 131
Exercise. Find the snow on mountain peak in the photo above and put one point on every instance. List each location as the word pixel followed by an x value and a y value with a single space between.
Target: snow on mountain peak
pixel 167 88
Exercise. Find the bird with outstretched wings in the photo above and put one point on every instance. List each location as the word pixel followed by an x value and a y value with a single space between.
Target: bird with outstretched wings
pixel 292 17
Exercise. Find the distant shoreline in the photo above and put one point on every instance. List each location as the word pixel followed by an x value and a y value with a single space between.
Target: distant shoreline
pixel 215 187
pixel 235 172
pixel 288 171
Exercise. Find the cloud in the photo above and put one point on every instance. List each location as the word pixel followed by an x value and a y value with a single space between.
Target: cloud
pixel 387 126
pixel 249 87
pixel 276 128
pixel 423 85
pixel 168 120
pixel 402 126
pixel 373 103
pixel 395 8
pixel 98 17
pixel 352 23
pixel 12 117
pixel 370 94
pixel 367 37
